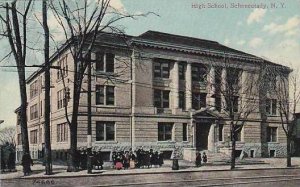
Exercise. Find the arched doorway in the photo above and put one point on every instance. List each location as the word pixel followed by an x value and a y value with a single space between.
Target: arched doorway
pixel 202 135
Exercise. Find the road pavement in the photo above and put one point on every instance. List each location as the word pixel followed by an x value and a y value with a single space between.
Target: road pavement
pixel 271 173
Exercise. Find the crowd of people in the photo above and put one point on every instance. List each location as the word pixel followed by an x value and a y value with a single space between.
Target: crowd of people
pixel 81 159
pixel 142 159
pixel 121 159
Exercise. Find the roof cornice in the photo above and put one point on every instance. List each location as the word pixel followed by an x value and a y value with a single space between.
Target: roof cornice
pixel 190 49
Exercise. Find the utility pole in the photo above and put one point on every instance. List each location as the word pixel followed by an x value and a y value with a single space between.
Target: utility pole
pixel 89 129
pixel 48 159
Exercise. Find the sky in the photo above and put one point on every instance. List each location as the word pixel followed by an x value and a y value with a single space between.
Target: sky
pixel 254 26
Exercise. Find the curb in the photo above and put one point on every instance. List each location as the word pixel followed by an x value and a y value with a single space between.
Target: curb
pixel 148 173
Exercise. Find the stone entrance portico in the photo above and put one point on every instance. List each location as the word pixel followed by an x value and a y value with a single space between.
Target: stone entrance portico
pixel 204 125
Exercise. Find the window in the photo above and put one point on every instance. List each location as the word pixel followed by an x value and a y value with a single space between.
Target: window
pixel 105 95
pixel 62 132
pixel 184 132
pixel 199 100
pixel 235 104
pixel 105 62
pixel 271 106
pixel 271 134
pixel 34 89
pixel 99 61
pixel 271 81
pixel 110 95
pixel 33 137
pixel 199 73
pixel 41 108
pixel 60 99
pixel 221 127
pixel 238 134
pixel 165 131
pixel 218 80
pixel 63 71
pixel 41 135
pixel 181 70
pixel 34 112
pixel 218 102
pixel 19 139
pixel 161 69
pixel 161 98
pixel 233 77
pixel 105 131
pixel 232 103
pixel 99 95
pixel 182 100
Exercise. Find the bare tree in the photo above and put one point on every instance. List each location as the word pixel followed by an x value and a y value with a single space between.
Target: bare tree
pixel 285 88
pixel 7 134
pixel 14 23
pixel 82 23
pixel 236 92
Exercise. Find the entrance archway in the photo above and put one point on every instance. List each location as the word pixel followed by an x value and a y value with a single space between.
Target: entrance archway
pixel 202 135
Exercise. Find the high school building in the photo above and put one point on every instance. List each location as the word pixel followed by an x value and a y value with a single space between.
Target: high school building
pixel 156 91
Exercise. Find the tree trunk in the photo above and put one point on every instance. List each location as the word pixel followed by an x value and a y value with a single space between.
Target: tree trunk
pixel 233 143
pixel 23 108
pixel 288 152
pixel 73 131
pixel 48 159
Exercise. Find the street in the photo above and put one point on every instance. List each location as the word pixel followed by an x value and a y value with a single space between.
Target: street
pixel 253 177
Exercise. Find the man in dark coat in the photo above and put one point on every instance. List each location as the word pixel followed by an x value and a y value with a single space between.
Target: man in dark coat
pixel 26 162
pixel 114 158
pixel 198 159
pixel 160 159
pixel 152 158
pixel 99 160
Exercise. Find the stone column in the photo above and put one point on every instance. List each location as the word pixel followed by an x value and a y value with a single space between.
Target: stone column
pixel 211 138
pixel 223 87
pixel 174 75
pixel 188 86
pixel 211 87
pixel 244 85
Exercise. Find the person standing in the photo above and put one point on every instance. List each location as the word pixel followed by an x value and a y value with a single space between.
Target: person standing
pixel 126 160
pixel 26 162
pixel 198 159
pixel 204 158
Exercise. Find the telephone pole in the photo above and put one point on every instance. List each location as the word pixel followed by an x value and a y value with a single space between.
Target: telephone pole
pixel 48 159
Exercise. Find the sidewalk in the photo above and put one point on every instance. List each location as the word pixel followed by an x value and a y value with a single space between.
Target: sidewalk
pixel 184 166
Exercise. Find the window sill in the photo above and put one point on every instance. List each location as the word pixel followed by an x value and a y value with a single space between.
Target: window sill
pixel 62 142
pixel 167 141
pixel 106 142
pixel 106 106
